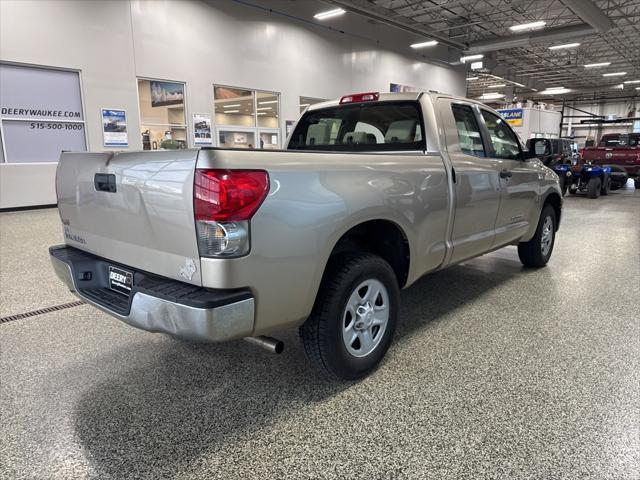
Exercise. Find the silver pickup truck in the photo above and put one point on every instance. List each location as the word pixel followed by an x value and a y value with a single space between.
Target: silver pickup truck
pixel 372 192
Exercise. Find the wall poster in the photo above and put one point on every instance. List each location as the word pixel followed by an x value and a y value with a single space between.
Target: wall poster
pixel 114 128
pixel 202 129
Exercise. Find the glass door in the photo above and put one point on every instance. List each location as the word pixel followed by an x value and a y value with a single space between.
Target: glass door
pixel 269 139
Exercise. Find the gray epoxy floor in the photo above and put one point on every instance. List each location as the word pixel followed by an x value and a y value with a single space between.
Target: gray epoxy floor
pixel 496 373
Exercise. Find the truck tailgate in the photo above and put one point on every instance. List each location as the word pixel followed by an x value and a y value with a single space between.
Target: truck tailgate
pixel 133 208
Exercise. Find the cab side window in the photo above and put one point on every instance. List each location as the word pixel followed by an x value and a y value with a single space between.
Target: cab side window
pixel 468 130
pixel 504 140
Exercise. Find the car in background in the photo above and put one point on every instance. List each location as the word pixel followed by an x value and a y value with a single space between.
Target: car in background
pixel 619 149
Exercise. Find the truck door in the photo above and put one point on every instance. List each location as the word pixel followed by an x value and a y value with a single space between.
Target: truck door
pixel 476 182
pixel 519 180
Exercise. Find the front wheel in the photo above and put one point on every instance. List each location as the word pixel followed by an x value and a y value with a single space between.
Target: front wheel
pixel 353 320
pixel 606 188
pixel 537 251
pixel 636 183
pixel 593 187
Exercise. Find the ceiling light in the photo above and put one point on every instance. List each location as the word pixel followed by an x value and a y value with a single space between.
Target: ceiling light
pixel 329 13
pixel 637 88
pixel 232 111
pixel 614 74
pixel 472 78
pixel 471 57
pixel 555 91
pixel 620 86
pixel 264 108
pixel 499 85
pixel 631 81
pixel 430 43
pixel 491 96
pixel 527 26
pixel 518 84
pixel 566 45
pixel 476 65
pixel 235 105
pixel 601 64
pixel 261 113
pixel 267 102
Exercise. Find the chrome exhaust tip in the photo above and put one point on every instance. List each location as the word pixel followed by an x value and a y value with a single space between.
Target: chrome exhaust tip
pixel 270 344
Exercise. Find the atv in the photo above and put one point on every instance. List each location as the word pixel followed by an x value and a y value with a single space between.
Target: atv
pixel 593 179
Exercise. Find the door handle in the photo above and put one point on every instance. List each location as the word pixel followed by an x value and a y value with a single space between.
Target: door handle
pixel 506 174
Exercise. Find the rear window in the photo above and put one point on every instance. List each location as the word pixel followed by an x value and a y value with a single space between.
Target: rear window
pixel 620 140
pixel 361 127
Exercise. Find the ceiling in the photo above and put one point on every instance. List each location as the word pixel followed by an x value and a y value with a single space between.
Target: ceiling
pixel 468 26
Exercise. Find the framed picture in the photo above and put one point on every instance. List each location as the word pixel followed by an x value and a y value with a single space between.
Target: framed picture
pixel 166 93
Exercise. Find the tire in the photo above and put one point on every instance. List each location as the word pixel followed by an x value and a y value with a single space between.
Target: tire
pixel 636 183
pixel 606 187
pixel 573 189
pixel 593 187
pixel 331 335
pixel 535 253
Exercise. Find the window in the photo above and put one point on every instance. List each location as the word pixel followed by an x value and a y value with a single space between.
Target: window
pixel 41 113
pixel 162 114
pixel 619 140
pixel 468 130
pixel 247 118
pixel 504 140
pixel 361 127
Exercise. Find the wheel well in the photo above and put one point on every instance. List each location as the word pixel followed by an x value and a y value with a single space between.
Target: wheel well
pixel 555 201
pixel 382 238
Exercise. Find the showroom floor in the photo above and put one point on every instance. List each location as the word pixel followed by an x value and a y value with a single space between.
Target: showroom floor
pixel 496 372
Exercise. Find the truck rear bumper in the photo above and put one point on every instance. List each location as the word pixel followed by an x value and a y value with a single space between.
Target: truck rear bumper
pixel 156 304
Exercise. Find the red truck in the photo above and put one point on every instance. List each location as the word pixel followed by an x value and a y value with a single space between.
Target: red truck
pixel 621 149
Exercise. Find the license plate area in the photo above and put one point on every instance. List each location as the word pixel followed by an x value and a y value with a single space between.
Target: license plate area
pixel 120 280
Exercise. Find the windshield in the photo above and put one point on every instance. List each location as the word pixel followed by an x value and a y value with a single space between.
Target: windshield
pixel 379 126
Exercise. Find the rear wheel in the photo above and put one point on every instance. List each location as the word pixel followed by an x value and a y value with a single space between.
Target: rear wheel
pixel 573 189
pixel 593 187
pixel 606 187
pixel 353 320
pixel 537 251
pixel 636 183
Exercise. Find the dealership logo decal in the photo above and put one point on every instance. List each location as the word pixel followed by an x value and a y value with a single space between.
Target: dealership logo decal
pixel 73 237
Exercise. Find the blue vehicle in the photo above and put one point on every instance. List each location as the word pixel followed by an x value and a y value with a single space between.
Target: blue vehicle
pixel 593 179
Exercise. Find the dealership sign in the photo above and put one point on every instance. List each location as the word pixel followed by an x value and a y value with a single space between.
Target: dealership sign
pixel 513 116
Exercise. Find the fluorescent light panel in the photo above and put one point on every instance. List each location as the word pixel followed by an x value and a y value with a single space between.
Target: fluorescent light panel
pixel 471 57
pixel 430 43
pixel 614 74
pixel 472 78
pixel 631 81
pixel 235 105
pixel 566 45
pixel 264 108
pixel 232 111
pixel 491 96
pixel 595 65
pixel 528 26
pixel 267 102
pixel 499 85
pixel 555 91
pixel 329 13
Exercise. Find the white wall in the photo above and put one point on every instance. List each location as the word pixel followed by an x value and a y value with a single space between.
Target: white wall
pixel 583 132
pixel 217 42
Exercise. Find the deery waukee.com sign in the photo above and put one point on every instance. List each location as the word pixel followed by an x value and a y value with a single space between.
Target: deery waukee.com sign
pixel 513 116
pixel 36 112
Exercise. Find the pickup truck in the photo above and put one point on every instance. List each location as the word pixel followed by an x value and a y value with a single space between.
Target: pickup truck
pixel 620 149
pixel 372 192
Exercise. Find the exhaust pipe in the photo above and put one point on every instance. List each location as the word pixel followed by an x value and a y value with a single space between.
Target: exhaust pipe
pixel 270 344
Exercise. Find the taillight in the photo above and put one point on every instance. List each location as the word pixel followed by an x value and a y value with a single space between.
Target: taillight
pixel 224 202
pixel 360 97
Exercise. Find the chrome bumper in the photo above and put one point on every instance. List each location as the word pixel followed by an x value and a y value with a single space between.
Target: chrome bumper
pixel 153 314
